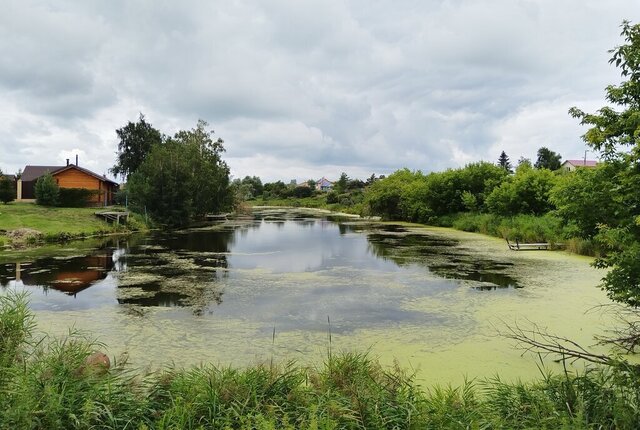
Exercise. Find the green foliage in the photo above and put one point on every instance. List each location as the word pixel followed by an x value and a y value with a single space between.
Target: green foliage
pixel 182 179
pixel 136 141
pixel 588 198
pixel 7 189
pixel 616 135
pixel 525 228
pixel 469 201
pixel 340 186
pixel 547 159
pixel 16 327
pixel 527 192
pixel 47 190
pixel 75 197
pixel 301 192
pixel 275 190
pixel 248 188
pixel 413 196
pixel 332 197
pixel 387 197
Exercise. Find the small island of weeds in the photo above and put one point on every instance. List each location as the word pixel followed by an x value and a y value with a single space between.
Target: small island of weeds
pixel 49 384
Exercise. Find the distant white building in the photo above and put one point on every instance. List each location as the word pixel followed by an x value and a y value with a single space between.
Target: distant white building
pixel 571 165
pixel 324 184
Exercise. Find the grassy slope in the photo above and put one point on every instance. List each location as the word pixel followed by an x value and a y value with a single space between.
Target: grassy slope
pixel 76 221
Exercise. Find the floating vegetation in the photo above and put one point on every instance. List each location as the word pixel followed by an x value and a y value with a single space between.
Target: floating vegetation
pixel 424 296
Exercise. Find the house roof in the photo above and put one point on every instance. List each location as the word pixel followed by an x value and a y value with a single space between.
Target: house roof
pixel 32 173
pixel 324 182
pixel 582 163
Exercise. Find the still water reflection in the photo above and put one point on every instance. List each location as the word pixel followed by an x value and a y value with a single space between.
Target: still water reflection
pixel 430 298
pixel 280 268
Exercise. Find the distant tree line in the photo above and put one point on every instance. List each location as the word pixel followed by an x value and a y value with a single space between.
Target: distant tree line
pixel 174 179
pixel 480 187
pixel 251 187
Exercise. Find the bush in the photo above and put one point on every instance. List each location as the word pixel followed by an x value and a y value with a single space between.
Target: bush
pixel 47 190
pixel 332 197
pixel 75 197
pixel 7 190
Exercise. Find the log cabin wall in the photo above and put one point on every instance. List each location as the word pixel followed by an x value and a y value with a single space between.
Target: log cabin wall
pixel 72 178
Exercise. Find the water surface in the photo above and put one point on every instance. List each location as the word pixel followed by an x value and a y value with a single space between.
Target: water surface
pixel 430 298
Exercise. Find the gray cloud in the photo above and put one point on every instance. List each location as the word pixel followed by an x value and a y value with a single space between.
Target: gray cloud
pixel 306 88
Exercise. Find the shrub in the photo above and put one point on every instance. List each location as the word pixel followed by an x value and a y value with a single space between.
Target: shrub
pixel 7 190
pixel 75 197
pixel 47 190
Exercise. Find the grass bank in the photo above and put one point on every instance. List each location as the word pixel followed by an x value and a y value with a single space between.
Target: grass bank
pixel 50 384
pixel 53 224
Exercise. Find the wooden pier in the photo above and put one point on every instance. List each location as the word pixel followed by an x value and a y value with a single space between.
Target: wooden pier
pixel 113 216
pixel 542 246
pixel 216 217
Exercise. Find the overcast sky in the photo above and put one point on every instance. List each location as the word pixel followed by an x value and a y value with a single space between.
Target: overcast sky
pixel 303 89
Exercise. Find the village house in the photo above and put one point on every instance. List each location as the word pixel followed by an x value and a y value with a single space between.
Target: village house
pixel 69 176
pixel 324 184
pixel 571 165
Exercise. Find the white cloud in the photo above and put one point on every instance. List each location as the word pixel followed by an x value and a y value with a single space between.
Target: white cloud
pixel 306 88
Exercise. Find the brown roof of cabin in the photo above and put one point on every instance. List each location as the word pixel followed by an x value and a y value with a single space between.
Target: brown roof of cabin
pixel 31 173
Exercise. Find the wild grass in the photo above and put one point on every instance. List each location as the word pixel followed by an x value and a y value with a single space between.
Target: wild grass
pixel 47 384
pixel 525 228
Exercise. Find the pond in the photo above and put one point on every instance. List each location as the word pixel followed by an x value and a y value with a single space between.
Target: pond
pixel 289 284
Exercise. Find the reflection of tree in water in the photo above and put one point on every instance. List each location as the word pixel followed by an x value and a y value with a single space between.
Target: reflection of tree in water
pixel 177 269
pixel 441 257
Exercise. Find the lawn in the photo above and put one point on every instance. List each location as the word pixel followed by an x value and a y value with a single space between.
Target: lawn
pixel 50 220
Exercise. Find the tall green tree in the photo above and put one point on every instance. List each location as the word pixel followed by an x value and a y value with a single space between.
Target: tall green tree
pixel 548 159
pixel 503 161
pixel 183 178
pixel 136 141
pixel 340 186
pixel 614 131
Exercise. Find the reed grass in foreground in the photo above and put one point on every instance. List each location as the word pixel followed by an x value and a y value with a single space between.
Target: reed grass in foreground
pixel 47 384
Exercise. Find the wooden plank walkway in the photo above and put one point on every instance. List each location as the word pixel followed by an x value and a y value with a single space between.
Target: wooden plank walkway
pixel 216 217
pixel 542 246
pixel 113 216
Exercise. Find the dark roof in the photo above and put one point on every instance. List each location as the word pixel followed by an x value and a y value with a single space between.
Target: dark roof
pixel 31 173
pixel 10 177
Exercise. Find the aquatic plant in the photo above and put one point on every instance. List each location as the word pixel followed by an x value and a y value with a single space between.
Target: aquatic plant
pixel 48 384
